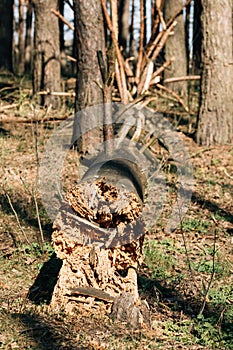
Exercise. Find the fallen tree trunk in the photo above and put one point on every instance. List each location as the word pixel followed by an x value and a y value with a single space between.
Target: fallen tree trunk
pixel 99 235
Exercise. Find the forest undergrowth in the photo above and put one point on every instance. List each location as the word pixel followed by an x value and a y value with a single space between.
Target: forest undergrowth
pixel 186 277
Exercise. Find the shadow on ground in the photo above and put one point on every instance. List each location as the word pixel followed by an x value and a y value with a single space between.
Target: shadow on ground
pixel 212 207
pixel 42 289
pixel 46 335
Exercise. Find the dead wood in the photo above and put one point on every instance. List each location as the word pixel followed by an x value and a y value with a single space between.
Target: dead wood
pixel 99 235
pixel 187 2
pixel 62 18
pixel 188 77
pixel 12 119
pixel 177 97
pixel 160 70
pixel 120 59
pixel 134 315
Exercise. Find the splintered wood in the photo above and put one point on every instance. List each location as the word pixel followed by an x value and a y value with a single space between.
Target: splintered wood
pixel 104 203
pixel 99 235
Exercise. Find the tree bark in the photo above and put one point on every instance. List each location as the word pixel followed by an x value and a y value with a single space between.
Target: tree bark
pixel 28 38
pixel 62 38
pixel 6 34
pixel 175 47
pixel 21 36
pixel 197 37
pixel 187 36
pixel 90 38
pixel 123 24
pixel 47 67
pixel 215 123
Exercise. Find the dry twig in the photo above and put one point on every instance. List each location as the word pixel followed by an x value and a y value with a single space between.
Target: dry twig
pixel 211 277
pixel 17 218
pixel 120 59
pixel 160 70
pixel 57 13
pixel 188 77
pixel 177 97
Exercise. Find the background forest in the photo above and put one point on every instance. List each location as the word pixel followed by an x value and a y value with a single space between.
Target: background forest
pixel 175 57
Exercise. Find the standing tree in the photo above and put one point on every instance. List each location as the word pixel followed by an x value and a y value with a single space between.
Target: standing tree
pixel 197 36
pixel 175 47
pixel 90 38
pixel 28 37
pixel 47 65
pixel 215 122
pixel 123 23
pixel 6 34
pixel 21 36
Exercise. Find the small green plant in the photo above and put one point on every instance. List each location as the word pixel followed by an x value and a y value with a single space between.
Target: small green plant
pixel 222 295
pixel 216 161
pixel 201 226
pixel 159 258
pixel 205 333
pixel 219 215
pixel 206 266
pixel 179 331
pixel 36 250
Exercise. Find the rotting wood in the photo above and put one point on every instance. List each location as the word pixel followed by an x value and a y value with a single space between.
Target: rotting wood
pixel 99 235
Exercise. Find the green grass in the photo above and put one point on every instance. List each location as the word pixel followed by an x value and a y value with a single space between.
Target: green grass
pixel 159 258
pixel 196 225
pixel 213 328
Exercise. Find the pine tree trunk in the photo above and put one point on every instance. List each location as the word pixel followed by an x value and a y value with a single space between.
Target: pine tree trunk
pixel 215 124
pixel 6 34
pixel 197 37
pixel 47 66
pixel 187 36
pixel 123 24
pixel 21 36
pixel 175 47
pixel 62 38
pixel 28 38
pixel 89 32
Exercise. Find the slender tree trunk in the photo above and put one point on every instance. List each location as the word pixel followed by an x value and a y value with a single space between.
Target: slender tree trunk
pixel 61 37
pixel 21 36
pixel 132 41
pixel 123 25
pixel 47 66
pixel 146 12
pixel 215 124
pixel 6 34
pixel 187 35
pixel 90 38
pixel 61 26
pixel 28 39
pixel 197 37
pixel 175 47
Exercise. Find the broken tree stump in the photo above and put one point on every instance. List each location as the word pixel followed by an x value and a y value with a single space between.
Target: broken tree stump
pixel 99 235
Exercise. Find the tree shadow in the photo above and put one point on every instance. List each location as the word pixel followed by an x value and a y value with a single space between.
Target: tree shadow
pixel 47 335
pixel 42 289
pixel 4 132
pixel 157 293
pixel 212 207
pixel 170 296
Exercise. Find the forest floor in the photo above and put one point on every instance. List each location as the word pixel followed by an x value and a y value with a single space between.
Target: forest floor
pixel 186 277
